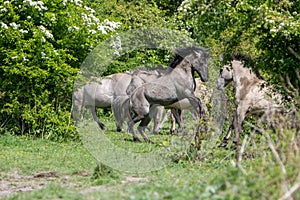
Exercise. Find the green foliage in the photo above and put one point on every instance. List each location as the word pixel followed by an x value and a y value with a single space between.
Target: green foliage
pixel 42 45
pixel 213 177
pixel 266 30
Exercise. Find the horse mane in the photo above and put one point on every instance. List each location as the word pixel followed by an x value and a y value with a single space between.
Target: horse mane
pixel 177 59
pixel 159 70
pixel 246 60
pixel 181 53
pixel 188 50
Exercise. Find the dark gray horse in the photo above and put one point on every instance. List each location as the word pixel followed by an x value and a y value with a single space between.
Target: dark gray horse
pixel 139 77
pixel 176 84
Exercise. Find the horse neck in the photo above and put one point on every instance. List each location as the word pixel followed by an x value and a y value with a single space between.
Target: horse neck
pixel 183 71
pixel 242 74
pixel 183 68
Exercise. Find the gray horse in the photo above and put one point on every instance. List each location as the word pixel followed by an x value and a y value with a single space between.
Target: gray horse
pixel 176 84
pixel 99 94
pixel 202 92
pixel 251 97
pixel 139 77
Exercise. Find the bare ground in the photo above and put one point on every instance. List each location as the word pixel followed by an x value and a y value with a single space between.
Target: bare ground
pixel 15 183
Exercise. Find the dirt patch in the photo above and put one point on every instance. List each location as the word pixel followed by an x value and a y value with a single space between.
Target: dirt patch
pixel 14 183
pixel 131 179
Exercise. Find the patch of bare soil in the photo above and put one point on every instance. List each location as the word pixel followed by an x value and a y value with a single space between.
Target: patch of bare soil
pixel 14 183
pixel 128 179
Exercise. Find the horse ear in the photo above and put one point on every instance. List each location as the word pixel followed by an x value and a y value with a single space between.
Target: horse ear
pixel 197 53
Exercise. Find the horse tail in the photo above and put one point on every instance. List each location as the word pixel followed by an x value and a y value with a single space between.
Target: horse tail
pixel 121 110
pixel 77 104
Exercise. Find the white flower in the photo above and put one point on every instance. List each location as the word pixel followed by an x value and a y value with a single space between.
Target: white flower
pixel 77 2
pixel 92 31
pixel 73 28
pixel 4 25
pixel 113 25
pixel 53 18
pixel 274 30
pixel 117 53
pixel 23 31
pixel 39 5
pixel 25 59
pixel 43 55
pixel 6 2
pixel 89 9
pixel 46 32
pixel 3 10
pixel 14 25
pixel 102 29
pixel 281 25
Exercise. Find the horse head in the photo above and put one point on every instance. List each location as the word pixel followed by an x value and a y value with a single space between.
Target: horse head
pixel 225 76
pixel 198 57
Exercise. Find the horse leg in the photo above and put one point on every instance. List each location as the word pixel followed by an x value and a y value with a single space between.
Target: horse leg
pixel 131 127
pixel 141 128
pixel 94 113
pixel 227 136
pixel 197 105
pixel 177 115
pixel 238 120
pixel 173 125
pixel 119 112
pixel 166 117
pixel 156 113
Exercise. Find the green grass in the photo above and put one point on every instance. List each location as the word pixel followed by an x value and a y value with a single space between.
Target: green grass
pixel 76 174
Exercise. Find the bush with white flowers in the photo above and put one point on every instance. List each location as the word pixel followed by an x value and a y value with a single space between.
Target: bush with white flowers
pixel 42 44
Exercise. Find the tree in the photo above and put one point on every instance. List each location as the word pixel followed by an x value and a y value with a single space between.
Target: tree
pixel 266 30
pixel 41 48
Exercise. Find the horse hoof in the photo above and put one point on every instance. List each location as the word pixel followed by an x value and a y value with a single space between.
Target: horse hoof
pixel 102 126
pixel 223 144
pixel 150 142
pixel 154 132
pixel 136 139
pixel 233 148
pixel 119 129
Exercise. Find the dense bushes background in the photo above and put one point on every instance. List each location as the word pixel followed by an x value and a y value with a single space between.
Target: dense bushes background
pixel 43 44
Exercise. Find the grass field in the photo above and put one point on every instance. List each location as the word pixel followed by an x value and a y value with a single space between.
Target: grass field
pixel 41 169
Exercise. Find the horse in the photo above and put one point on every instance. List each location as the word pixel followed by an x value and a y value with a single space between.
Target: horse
pixel 251 96
pixel 176 84
pixel 139 77
pixel 99 94
pixel 202 92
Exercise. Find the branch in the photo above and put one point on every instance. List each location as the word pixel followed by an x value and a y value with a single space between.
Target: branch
pixel 290 192
pixel 239 160
pixel 271 145
pixel 291 50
